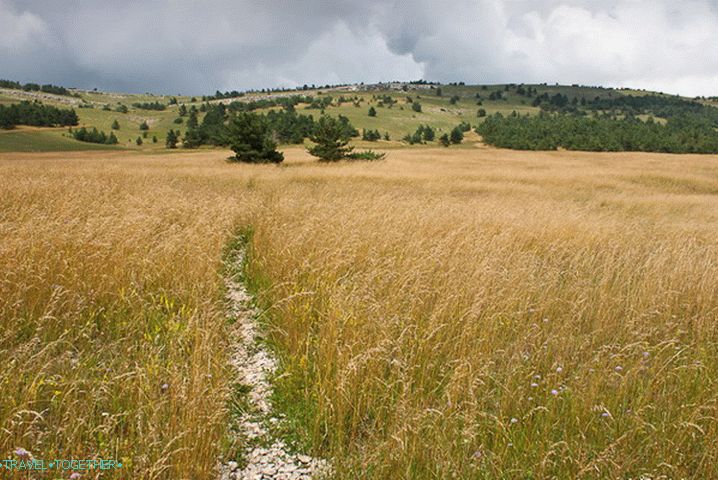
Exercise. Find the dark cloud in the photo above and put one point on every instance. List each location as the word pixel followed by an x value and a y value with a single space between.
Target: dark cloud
pixel 187 46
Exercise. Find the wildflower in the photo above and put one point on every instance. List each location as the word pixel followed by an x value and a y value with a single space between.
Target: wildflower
pixel 22 453
pixel 534 384
pixel 605 414
pixel 646 354
pixel 514 420
pixel 75 476
pixel 618 369
pixel 165 387
pixel 554 392
pixel 530 398
pixel 478 454
pixel 559 370
pixel 105 414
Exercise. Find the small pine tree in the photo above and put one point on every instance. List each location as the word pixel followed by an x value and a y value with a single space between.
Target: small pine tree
pixel 416 106
pixel 112 139
pixel 172 139
pixel 444 140
pixel 138 141
pixel 154 138
pixel 115 125
pixel 438 91
pixel 192 120
pixel 454 100
pixel 182 110
pixel 331 139
pixel 457 135
pixel 144 125
pixel 372 112
pixel 481 113
pixel 386 136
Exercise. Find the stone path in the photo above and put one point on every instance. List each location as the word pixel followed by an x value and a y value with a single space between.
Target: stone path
pixel 266 457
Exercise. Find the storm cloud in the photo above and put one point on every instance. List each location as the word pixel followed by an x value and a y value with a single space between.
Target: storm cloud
pixel 193 47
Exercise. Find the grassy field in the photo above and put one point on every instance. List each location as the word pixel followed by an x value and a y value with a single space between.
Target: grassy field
pixel 445 313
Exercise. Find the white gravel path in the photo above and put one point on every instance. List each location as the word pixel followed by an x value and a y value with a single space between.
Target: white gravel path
pixel 266 457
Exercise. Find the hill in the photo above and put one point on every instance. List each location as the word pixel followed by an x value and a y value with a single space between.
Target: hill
pixel 397 114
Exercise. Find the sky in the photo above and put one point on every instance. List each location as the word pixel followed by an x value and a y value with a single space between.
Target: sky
pixel 197 47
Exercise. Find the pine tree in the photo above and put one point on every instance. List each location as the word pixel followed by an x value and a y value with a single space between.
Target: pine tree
pixel 416 106
pixel 115 125
pixel 444 140
pixel 144 125
pixel 457 135
pixel 138 141
pixel 172 139
pixel 372 112
pixel 331 139
pixel 250 138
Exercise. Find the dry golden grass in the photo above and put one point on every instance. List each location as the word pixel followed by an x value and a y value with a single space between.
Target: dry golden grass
pixel 418 305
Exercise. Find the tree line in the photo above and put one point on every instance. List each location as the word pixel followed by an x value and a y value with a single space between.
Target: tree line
pixel 36 114
pixel 680 134
pixel 34 87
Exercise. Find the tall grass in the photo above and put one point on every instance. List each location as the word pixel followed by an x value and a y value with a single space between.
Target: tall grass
pixel 465 314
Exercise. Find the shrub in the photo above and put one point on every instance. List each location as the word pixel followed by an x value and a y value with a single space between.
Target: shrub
pixel 366 155
pixel 416 106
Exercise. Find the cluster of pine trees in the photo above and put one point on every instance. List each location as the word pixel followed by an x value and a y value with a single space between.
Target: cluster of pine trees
pixel 422 134
pixel 285 126
pixel 36 114
pixel 370 135
pixel 150 106
pixel 94 136
pixel 680 134
pixel 34 87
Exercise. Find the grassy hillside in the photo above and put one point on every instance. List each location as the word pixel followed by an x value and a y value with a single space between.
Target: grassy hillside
pixel 399 120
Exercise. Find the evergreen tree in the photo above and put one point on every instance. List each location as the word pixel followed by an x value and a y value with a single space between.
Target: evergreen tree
pixel 138 141
pixel 438 91
pixel 154 138
pixel 416 106
pixel 454 100
pixel 372 112
pixel 457 135
pixel 144 125
pixel 249 137
pixel 444 140
pixel 172 139
pixel 481 113
pixel 331 139
pixel 115 125
pixel 192 120
pixel 429 134
pixel 182 110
